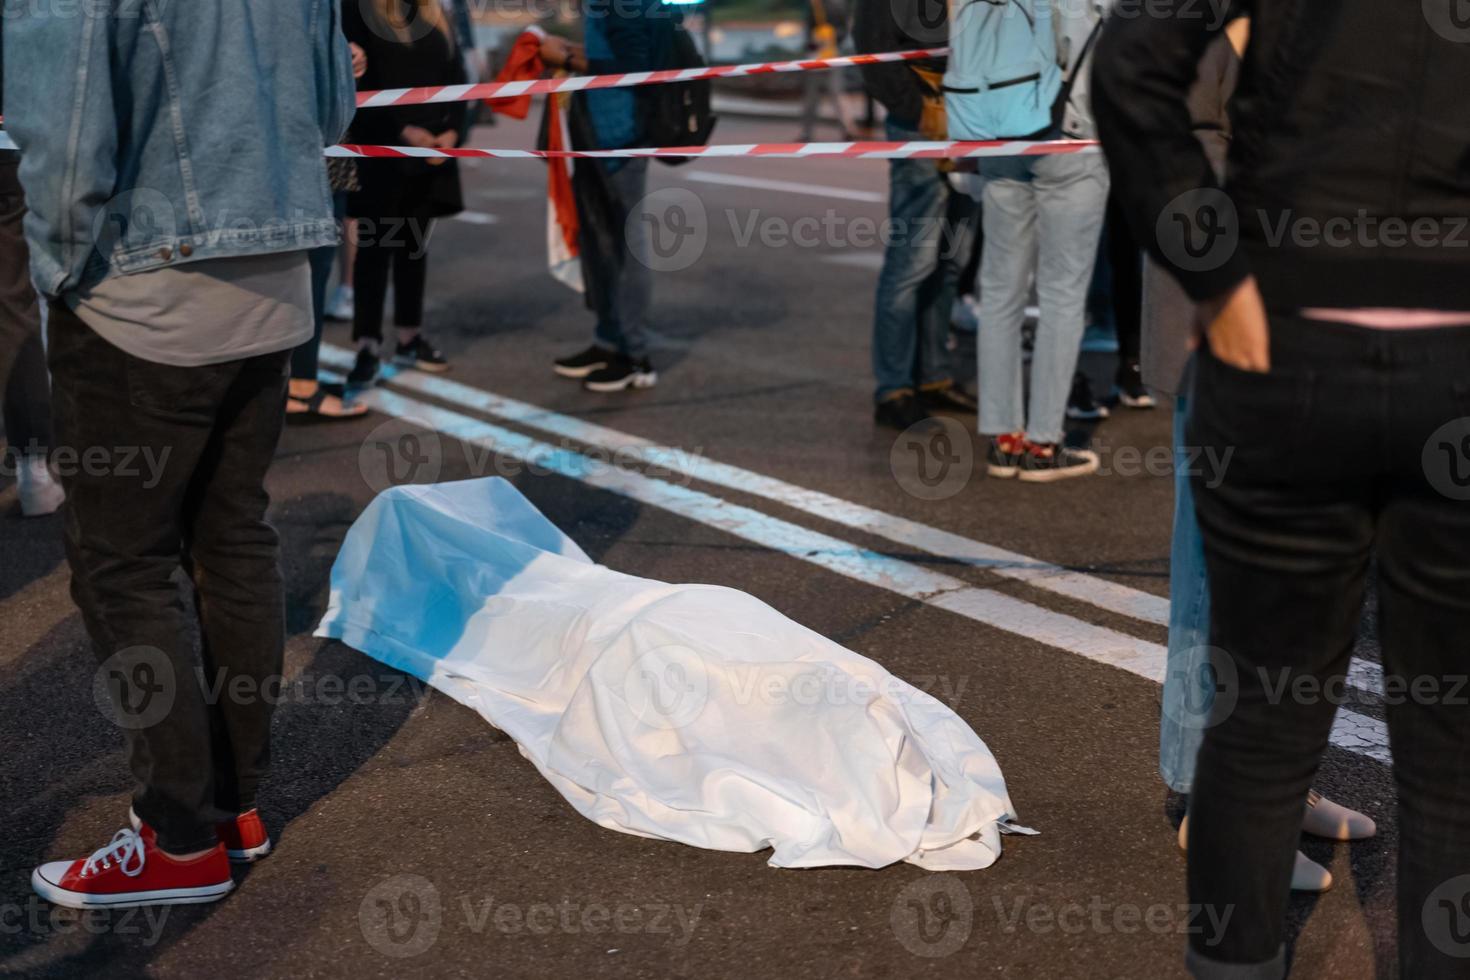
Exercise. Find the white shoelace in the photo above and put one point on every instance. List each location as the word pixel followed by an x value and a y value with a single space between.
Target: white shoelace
pixel 126 845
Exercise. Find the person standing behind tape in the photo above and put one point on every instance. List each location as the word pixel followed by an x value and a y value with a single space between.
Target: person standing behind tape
pixel 826 29
pixel 138 125
pixel 613 226
pixel 933 226
pixel 407 45
pixel 24 383
pixel 1019 69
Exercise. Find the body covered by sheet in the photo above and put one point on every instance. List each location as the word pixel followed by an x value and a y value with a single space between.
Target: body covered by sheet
pixel 692 713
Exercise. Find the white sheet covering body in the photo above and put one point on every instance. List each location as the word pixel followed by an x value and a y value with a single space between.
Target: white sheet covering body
pixel 693 713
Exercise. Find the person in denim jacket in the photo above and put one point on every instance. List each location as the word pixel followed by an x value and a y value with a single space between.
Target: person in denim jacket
pixel 171 156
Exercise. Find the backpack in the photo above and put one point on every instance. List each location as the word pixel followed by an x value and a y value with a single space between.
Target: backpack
pixel 678 113
pixel 1003 78
pixel 1073 111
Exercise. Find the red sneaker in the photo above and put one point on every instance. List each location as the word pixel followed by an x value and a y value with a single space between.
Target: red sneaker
pixel 244 837
pixel 131 871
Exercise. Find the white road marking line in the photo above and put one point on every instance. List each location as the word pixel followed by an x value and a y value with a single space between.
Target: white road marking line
pixel 476 217
pixel 791 186
pixel 1357 733
pixel 911 534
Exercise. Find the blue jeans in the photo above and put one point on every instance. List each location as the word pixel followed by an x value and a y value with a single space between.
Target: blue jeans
pixel 622 263
pixel 933 229
pixel 1189 687
pixel 1043 220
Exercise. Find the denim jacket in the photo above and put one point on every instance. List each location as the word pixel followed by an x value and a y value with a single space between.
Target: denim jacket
pixel 156 133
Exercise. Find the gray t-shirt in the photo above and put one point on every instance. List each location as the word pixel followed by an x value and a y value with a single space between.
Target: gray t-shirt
pixel 204 312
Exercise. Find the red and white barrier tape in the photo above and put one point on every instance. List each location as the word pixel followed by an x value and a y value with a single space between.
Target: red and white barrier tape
pixel 582 83
pixel 916 150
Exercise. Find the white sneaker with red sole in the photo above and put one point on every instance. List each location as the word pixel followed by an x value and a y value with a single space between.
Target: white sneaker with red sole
pixel 132 871
pixel 244 837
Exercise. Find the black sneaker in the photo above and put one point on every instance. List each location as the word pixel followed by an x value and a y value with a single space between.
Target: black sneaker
pixel 899 412
pixel 1080 403
pixel 948 398
pixel 365 371
pixel 580 365
pixel 1129 387
pixel 1048 463
pixel 620 374
pixel 1003 459
pixel 419 353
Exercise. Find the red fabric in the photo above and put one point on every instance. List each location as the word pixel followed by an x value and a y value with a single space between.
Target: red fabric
pixel 523 65
pixel 559 177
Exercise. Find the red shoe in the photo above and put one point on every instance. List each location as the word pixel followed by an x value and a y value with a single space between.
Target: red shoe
pixel 244 837
pixel 131 871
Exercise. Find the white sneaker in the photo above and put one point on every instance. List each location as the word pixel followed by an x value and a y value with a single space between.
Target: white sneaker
pixel 40 494
pixel 1306 875
pixel 1335 821
pixel 341 304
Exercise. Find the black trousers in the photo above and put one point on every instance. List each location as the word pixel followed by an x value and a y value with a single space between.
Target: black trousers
pixel 1355 444
pixel 27 394
pixel 164 468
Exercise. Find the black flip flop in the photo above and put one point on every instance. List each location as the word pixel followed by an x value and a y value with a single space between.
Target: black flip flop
pixel 312 414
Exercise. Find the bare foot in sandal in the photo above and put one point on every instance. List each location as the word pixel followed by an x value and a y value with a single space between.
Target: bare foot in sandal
pixel 312 401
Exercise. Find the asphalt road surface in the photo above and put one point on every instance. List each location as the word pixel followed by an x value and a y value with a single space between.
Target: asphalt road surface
pixel 414 839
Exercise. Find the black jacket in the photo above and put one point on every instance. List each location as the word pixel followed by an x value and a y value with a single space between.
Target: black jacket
pixel 426 57
pixel 899 25
pixel 1349 170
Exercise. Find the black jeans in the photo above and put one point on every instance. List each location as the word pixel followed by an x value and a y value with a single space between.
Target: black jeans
pixel 167 470
pixel 27 394
pixel 1356 443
